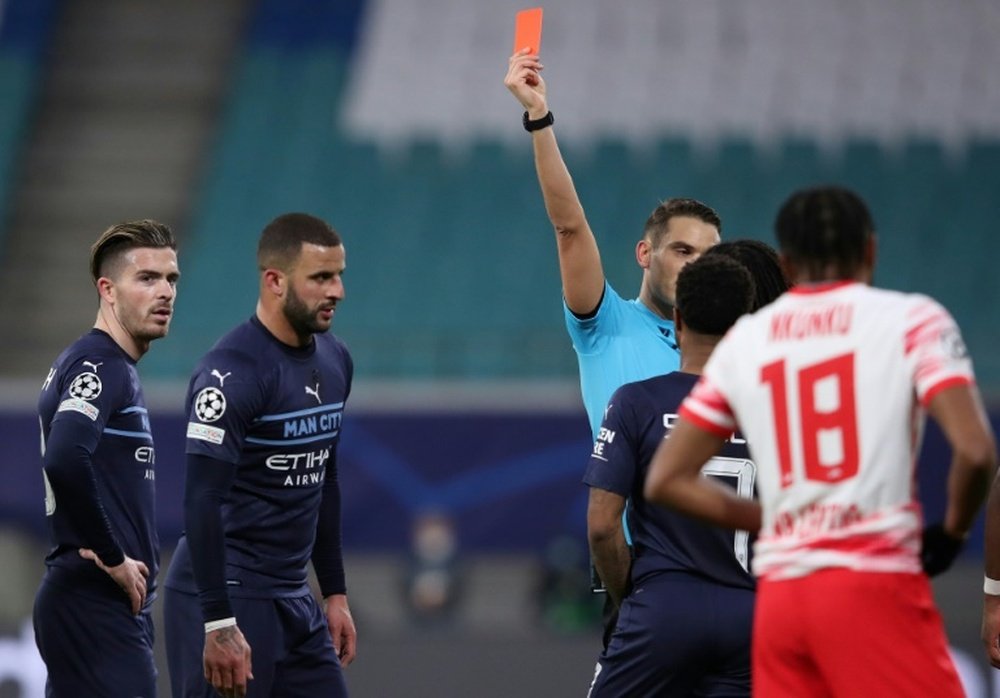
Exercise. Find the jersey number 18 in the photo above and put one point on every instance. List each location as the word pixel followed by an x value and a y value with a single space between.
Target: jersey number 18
pixel 820 417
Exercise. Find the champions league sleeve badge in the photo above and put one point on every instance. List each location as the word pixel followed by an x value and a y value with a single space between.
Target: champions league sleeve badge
pixel 86 386
pixel 209 404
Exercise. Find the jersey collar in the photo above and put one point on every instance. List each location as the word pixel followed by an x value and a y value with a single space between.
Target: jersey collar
pixel 821 287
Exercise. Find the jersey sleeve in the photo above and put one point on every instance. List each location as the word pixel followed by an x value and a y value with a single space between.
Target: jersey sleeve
pixel 934 350
pixel 225 394
pixel 613 461
pixel 91 390
pixel 708 404
pixel 590 334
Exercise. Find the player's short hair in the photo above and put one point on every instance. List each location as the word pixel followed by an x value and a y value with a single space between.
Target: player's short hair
pixel 106 254
pixel 281 241
pixel 712 293
pixel 822 227
pixel 656 224
pixel 761 260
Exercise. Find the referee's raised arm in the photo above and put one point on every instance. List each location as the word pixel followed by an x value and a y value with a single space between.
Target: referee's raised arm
pixel 579 258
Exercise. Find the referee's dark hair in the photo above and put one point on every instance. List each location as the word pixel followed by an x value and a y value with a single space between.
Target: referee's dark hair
pixel 281 241
pixel 712 293
pixel 761 260
pixel 824 229
pixel 659 219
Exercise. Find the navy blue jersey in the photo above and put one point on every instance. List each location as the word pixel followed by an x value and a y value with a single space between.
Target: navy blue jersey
pixel 636 420
pixel 93 418
pixel 274 412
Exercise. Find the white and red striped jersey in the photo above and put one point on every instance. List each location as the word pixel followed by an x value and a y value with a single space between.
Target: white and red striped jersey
pixel 828 384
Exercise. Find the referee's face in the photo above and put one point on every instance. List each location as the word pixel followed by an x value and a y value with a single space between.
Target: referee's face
pixel 315 286
pixel 685 240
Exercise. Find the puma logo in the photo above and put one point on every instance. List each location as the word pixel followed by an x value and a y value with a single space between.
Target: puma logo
pixel 221 376
pixel 93 365
pixel 315 393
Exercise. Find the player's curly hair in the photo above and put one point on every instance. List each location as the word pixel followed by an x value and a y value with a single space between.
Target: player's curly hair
pixel 281 241
pixel 762 262
pixel 712 293
pixel 106 253
pixel 656 224
pixel 824 227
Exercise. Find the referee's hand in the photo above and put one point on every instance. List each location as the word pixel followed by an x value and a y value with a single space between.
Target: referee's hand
pixel 524 80
pixel 130 575
pixel 227 661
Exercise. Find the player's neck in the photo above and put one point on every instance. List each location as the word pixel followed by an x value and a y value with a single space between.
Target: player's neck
pixel 277 324
pixel 695 350
pixel 114 329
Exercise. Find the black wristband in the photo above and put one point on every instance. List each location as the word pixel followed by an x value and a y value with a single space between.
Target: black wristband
pixel 537 124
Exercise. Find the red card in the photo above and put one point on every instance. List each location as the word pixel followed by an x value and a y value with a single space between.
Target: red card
pixel 528 30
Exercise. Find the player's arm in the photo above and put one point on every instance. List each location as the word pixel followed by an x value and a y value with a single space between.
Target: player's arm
pixel 227 654
pixel 675 480
pixel 959 412
pixel 991 585
pixel 579 258
pixel 67 459
pixel 606 536
pixel 328 562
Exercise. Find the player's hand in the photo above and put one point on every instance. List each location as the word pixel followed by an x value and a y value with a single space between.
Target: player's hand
pixel 130 575
pixel 227 661
pixel 524 80
pixel 342 630
pixel 991 628
pixel 939 550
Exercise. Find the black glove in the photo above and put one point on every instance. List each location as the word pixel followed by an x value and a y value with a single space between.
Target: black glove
pixel 939 550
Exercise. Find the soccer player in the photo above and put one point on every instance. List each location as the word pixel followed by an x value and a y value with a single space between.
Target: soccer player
pixel 92 612
pixel 760 259
pixel 262 497
pixel 669 641
pixel 830 384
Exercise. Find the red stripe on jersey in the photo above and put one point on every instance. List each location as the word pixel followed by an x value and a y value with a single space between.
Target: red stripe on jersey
pixel 944 384
pixel 929 368
pixel 864 544
pixel 926 330
pixel 706 394
pixel 703 423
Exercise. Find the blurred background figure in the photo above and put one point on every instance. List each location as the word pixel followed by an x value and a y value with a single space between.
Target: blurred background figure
pixel 433 582
pixel 215 117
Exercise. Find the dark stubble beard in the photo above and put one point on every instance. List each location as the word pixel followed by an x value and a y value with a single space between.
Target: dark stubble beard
pixel 303 320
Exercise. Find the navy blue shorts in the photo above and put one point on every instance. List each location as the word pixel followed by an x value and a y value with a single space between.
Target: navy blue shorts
pixel 93 647
pixel 679 635
pixel 292 653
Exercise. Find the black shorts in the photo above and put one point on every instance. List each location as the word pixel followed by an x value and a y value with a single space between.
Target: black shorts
pixel 93 647
pixel 679 635
pixel 292 652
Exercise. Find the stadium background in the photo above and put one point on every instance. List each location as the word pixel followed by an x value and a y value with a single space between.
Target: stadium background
pixel 465 438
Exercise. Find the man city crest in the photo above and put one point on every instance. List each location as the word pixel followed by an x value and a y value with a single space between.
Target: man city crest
pixel 86 386
pixel 209 404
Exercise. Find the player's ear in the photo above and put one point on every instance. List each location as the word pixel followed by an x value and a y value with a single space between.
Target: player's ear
pixel 106 289
pixel 643 250
pixel 871 249
pixel 788 266
pixel 274 280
